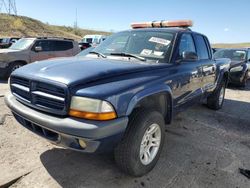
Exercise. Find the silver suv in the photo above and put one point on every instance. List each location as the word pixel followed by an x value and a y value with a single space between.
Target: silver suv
pixel 28 50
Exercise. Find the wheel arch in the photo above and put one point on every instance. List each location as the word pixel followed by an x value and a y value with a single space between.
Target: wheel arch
pixel 19 61
pixel 159 98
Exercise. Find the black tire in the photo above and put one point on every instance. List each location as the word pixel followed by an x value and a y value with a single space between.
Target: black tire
pixel 12 67
pixel 213 101
pixel 127 153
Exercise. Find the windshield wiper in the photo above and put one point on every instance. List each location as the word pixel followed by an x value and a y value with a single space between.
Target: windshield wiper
pixel 97 53
pixel 129 55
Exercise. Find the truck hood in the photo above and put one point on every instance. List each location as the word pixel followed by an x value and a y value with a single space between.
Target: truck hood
pixel 8 55
pixel 8 50
pixel 82 70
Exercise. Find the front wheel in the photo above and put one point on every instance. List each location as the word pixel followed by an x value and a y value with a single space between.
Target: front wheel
pixel 13 66
pixel 216 99
pixel 140 149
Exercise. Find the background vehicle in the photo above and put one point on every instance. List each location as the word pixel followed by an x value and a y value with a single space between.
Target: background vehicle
pixel 240 64
pixel 215 49
pixel 7 42
pixel 84 45
pixel 122 94
pixel 85 52
pixel 28 50
pixel 93 40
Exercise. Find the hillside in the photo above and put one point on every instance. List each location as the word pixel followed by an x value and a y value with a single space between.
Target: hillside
pixel 25 26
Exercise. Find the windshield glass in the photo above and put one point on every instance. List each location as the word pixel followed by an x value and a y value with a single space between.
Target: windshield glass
pixel 151 45
pixel 22 44
pixel 236 55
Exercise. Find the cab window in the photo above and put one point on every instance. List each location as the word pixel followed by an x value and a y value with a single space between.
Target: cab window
pixel 186 44
pixel 201 47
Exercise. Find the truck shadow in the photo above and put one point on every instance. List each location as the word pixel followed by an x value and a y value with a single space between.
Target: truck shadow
pixel 73 169
pixel 3 81
pixel 188 147
pixel 235 87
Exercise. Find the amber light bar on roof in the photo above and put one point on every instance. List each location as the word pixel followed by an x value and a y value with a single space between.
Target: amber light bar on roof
pixel 176 23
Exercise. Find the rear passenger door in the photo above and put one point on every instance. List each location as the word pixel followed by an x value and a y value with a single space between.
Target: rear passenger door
pixel 207 63
pixel 62 48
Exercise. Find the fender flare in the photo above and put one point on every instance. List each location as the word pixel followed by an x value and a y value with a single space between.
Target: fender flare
pixel 165 89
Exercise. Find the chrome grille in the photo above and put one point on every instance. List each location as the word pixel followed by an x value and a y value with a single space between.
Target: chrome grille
pixel 43 96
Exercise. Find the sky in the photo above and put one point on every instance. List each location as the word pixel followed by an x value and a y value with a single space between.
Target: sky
pixel 223 21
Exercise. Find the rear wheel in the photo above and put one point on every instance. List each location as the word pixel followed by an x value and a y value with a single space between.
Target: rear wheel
pixel 140 149
pixel 216 99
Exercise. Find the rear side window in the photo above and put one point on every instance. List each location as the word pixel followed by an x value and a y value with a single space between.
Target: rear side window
pixel 62 45
pixel 201 47
pixel 186 44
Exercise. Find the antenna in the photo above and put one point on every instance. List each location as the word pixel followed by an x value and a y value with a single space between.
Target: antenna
pixel 9 5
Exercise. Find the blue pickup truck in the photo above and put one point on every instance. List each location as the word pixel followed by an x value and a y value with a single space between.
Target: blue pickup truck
pixel 122 94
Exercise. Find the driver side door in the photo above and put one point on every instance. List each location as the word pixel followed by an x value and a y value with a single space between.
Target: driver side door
pixel 189 73
pixel 43 53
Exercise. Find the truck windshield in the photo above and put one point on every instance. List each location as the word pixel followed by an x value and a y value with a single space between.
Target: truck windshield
pixel 22 44
pixel 151 45
pixel 235 55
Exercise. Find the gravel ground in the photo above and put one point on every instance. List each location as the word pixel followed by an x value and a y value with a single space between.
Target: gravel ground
pixel 203 148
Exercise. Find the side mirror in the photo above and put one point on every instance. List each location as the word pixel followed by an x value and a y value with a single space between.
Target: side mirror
pixel 38 49
pixel 189 56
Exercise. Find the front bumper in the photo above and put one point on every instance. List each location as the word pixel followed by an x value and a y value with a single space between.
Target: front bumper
pixel 66 131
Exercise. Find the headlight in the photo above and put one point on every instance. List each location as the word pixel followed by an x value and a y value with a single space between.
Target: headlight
pixel 93 109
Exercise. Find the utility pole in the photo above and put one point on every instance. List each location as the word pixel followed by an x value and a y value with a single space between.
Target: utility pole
pixel 9 5
pixel 76 24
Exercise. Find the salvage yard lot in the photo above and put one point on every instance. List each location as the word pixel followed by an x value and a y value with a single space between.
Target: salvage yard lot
pixel 203 148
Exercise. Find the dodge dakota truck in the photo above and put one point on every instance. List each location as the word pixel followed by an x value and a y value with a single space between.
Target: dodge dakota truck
pixel 122 94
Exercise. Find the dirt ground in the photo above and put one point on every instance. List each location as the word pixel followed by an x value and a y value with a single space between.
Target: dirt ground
pixel 203 148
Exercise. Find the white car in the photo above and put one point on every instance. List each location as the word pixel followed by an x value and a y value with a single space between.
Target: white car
pixel 93 39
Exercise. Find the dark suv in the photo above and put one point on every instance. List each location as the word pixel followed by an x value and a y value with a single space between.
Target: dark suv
pixel 240 64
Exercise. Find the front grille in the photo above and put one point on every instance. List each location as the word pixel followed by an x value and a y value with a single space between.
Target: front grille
pixel 53 136
pixel 43 96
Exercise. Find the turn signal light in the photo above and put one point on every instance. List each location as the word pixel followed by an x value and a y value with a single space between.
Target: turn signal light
pixel 93 116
